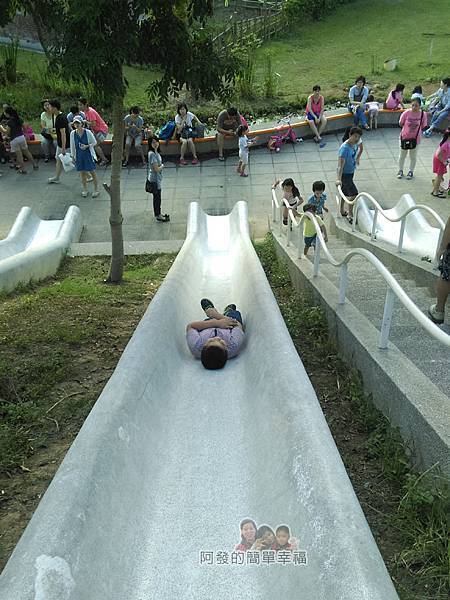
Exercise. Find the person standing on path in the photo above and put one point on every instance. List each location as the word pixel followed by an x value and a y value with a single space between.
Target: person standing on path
pixel 82 144
pixel 154 178
pixel 13 129
pixel 412 121
pixel 48 131
pixel 98 127
pixel 62 137
pixel 441 159
pixel 348 158
pixel 357 96
pixel 436 312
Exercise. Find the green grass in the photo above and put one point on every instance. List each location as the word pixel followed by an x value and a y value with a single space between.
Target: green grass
pixel 406 511
pixel 331 52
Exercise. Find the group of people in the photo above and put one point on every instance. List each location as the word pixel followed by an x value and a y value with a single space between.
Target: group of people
pixel 264 538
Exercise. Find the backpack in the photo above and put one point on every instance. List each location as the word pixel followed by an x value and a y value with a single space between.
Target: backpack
pixel 166 131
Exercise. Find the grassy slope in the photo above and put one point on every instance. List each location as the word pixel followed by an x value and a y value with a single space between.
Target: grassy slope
pixel 334 51
pixel 331 52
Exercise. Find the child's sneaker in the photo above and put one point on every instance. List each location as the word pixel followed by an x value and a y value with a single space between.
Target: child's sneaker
pixel 229 307
pixel 410 175
pixel 206 304
pixel 400 174
pixel 436 316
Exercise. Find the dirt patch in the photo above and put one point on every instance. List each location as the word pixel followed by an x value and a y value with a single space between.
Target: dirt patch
pixel 60 342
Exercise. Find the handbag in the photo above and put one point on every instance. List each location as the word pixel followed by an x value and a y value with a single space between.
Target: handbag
pixel 411 143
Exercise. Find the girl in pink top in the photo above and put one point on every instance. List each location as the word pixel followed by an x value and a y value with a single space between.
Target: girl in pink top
pixel 412 121
pixel 395 99
pixel 314 113
pixel 441 159
pixel 98 127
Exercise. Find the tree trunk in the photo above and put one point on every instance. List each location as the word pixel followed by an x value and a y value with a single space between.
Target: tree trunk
pixel 115 218
pixel 38 23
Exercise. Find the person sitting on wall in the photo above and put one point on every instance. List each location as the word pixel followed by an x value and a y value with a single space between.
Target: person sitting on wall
pixel 217 338
pixel 227 123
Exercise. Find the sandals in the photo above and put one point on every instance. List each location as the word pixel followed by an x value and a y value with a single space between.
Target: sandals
pixel 206 303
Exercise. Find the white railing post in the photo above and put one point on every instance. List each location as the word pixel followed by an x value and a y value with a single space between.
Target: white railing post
pixel 387 318
pixel 355 214
pixel 402 233
pixel 288 232
pixel 343 279
pixel 274 212
pixel 281 220
pixel 316 258
pixel 374 225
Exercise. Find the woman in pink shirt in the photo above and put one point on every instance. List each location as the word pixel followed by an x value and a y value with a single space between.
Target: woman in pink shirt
pixel 441 159
pixel 412 121
pixel 98 127
pixel 314 113
pixel 395 99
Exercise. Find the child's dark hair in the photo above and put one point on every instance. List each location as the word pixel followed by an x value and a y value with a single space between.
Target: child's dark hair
pixel 445 137
pixel 370 98
pixel 309 208
pixel 214 357
pixel 417 89
pixel 55 103
pixel 135 110
pixel 290 182
pixel 350 131
pixel 151 138
pixel 83 101
pixel 316 88
pixel 75 110
pixel 360 78
pixel 398 88
pixel 232 111
pixel 263 530
pixel 284 529
pixel 318 186
pixel 446 81
pixel 241 130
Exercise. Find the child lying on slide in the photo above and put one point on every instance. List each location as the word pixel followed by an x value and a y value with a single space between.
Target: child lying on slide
pixel 217 338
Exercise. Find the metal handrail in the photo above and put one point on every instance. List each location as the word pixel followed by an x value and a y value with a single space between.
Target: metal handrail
pixel 379 209
pixel 394 288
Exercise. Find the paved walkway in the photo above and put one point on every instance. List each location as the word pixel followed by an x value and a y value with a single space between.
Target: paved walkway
pixel 217 187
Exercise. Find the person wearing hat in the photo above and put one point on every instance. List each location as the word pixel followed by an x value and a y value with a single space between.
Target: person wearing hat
pixel 82 144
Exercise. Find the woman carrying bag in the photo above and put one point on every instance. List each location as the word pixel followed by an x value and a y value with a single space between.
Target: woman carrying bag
pixel 82 144
pixel 48 131
pixel 412 121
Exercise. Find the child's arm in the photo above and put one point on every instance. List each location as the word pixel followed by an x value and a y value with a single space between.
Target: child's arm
pixel 360 151
pixel 323 229
pixel 225 323
pixel 275 184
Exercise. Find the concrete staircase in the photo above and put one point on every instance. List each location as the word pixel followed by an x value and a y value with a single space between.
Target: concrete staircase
pixel 366 290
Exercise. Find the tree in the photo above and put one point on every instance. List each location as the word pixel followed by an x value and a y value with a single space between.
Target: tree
pixel 95 40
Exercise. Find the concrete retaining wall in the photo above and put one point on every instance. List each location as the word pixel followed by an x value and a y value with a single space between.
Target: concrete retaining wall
pixel 408 398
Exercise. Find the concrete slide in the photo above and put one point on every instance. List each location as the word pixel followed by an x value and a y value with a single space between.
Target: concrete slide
pixel 420 238
pixel 35 247
pixel 172 457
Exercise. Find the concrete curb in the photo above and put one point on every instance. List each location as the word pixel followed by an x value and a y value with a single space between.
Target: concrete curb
pixel 406 396
pixel 130 248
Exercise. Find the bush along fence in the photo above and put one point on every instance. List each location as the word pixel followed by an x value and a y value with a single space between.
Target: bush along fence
pixel 263 27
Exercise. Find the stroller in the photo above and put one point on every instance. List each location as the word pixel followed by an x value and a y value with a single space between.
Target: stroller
pixel 283 137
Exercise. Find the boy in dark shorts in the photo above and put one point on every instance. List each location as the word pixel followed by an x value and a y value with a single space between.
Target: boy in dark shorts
pixel 309 231
pixel 349 155
pixel 217 338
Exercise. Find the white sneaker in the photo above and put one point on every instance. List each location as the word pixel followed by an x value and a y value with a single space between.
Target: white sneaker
pixel 436 316
pixel 400 174
pixel 95 194
pixel 53 180
pixel 84 194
